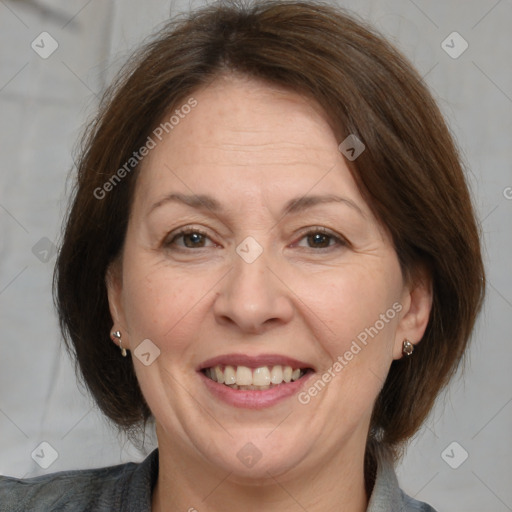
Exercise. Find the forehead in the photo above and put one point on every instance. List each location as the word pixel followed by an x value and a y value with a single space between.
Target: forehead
pixel 248 139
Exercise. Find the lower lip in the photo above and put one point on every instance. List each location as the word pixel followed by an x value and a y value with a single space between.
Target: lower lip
pixel 254 399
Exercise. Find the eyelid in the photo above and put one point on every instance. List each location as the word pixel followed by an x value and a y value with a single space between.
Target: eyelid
pixel 340 239
pixel 185 230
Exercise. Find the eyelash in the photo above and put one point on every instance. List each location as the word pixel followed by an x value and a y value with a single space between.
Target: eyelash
pixel 339 241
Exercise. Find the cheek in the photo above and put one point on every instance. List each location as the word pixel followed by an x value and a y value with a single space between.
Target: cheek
pixel 161 304
pixel 358 304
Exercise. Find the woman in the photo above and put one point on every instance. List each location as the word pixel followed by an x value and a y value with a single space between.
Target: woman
pixel 271 253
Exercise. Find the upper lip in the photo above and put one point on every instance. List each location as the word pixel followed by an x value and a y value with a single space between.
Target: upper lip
pixel 253 361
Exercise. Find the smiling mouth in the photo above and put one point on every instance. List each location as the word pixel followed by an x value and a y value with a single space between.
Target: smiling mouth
pixel 254 379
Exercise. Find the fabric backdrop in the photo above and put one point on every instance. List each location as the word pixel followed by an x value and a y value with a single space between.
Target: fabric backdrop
pixel 46 97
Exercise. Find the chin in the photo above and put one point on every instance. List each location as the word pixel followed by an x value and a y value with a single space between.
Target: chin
pixel 254 459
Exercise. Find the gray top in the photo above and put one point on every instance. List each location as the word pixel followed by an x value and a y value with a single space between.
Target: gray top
pixel 128 487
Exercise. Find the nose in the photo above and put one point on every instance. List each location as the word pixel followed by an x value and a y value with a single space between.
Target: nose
pixel 253 296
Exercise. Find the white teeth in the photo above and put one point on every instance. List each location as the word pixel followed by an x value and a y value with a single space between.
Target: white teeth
pixel 219 375
pixel 295 375
pixel 244 378
pixel 229 375
pixel 261 376
pixel 276 375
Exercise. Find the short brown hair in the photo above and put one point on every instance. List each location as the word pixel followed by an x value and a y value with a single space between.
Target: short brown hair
pixel 410 174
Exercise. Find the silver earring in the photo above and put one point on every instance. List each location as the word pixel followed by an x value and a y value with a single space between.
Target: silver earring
pixel 117 336
pixel 407 348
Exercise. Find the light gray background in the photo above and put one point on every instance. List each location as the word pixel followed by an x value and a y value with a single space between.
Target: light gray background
pixel 44 103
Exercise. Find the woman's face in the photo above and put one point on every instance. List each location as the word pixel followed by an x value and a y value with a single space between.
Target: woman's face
pixel 254 287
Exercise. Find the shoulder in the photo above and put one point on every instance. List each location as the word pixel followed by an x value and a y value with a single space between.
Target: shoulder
pixel 412 505
pixel 101 489
pixel 387 495
pixel 66 490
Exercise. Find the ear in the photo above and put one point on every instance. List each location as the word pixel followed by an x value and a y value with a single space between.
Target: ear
pixel 114 284
pixel 416 304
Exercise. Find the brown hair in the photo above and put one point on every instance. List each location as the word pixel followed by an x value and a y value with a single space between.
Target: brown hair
pixel 410 174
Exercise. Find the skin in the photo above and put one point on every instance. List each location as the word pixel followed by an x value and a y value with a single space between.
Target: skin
pixel 253 147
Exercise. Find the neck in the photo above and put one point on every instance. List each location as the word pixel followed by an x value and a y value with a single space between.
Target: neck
pixel 186 483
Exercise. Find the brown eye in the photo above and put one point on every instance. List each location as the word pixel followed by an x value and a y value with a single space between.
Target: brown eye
pixel 191 239
pixel 319 240
pixel 322 239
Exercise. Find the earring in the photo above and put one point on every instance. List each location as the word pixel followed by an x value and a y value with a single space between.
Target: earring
pixel 407 348
pixel 117 336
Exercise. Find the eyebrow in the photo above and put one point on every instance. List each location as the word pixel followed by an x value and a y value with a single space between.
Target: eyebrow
pixel 296 205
